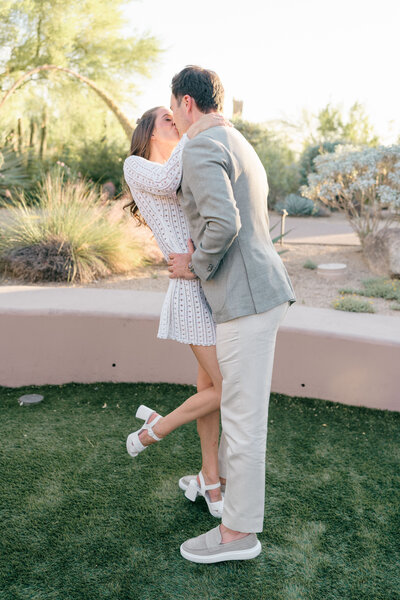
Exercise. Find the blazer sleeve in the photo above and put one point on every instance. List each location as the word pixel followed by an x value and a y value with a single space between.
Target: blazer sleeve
pixel 158 179
pixel 207 165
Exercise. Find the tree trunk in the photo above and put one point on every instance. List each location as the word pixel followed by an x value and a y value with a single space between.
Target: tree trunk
pixel 32 133
pixel 43 135
pixel 20 136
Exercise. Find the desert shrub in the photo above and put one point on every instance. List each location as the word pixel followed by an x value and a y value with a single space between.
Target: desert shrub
pixel 69 236
pixel 309 264
pixel 360 183
pixel 13 173
pixel 306 161
pixel 381 288
pixel 377 287
pixel 278 159
pixel 350 304
pixel 98 161
pixel 296 206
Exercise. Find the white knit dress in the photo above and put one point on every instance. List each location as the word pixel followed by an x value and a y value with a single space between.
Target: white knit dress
pixel 186 315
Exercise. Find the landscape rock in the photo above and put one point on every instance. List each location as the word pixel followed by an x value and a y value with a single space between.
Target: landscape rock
pixel 382 252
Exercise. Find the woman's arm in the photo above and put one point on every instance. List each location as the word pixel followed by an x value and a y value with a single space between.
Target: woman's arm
pixel 158 179
pixel 153 177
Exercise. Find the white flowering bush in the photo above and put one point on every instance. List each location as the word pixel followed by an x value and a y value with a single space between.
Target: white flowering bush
pixel 360 182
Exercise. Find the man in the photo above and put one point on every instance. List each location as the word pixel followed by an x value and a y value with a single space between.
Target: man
pixel 224 193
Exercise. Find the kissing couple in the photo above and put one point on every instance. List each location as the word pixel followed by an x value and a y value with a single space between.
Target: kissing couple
pixel 202 190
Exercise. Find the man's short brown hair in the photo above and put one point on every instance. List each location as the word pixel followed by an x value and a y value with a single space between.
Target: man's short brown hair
pixel 202 85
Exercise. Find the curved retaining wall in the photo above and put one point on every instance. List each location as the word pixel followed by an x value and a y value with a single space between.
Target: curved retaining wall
pixel 59 335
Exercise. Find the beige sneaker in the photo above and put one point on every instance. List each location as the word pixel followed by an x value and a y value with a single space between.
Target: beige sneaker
pixel 208 548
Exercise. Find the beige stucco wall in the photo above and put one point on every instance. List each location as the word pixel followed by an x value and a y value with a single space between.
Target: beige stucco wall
pixel 51 337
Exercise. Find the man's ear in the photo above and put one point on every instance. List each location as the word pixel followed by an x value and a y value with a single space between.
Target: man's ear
pixel 188 103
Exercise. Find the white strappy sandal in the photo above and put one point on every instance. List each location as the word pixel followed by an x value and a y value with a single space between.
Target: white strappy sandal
pixel 193 489
pixel 133 444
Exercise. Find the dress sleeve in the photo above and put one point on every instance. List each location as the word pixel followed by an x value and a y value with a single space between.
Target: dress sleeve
pixel 153 177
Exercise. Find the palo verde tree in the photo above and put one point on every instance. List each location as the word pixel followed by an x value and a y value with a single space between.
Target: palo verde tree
pixel 94 61
pixel 86 36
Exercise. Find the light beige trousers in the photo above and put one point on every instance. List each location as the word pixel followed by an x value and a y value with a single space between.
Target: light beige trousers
pixel 245 351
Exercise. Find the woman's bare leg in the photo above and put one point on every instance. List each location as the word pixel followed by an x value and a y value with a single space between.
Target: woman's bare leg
pixel 208 425
pixel 203 406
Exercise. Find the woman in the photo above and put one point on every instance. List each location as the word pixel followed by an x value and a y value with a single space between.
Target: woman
pixel 153 172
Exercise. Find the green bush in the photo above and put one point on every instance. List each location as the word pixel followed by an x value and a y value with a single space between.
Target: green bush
pixel 306 161
pixel 277 157
pixel 13 174
pixel 98 161
pixel 377 287
pixel 353 305
pixel 297 206
pixel 309 264
pixel 381 288
pixel 69 236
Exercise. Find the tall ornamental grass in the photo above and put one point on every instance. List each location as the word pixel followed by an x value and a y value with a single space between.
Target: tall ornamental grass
pixel 70 235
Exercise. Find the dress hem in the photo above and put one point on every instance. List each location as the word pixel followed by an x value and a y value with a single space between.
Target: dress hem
pixel 161 337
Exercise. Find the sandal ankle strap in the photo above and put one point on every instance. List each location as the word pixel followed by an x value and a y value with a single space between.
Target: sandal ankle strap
pixel 149 428
pixel 211 486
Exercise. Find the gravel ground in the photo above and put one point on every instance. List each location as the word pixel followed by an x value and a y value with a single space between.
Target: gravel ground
pixel 314 289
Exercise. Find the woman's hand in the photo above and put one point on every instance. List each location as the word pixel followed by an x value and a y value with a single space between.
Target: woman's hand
pixel 207 121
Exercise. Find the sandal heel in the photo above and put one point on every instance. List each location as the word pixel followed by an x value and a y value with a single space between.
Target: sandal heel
pixel 192 491
pixel 143 412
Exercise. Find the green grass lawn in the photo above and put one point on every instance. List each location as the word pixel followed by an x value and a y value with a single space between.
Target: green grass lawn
pixel 81 520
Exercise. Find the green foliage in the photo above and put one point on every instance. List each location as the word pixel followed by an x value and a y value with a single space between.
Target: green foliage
pixel 376 287
pixel 296 205
pixel 81 520
pixel 13 173
pixel 86 36
pixel 69 236
pixel 356 129
pixel 350 304
pixel 379 287
pixel 309 264
pixel 277 157
pixel 306 161
pixel 99 161
pixel 360 183
pixel 83 35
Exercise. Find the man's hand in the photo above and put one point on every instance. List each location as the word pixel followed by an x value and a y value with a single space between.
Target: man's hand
pixel 178 264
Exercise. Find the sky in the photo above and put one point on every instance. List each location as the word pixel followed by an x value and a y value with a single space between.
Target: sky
pixel 280 56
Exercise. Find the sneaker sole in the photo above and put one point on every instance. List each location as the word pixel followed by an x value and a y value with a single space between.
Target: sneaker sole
pixel 222 556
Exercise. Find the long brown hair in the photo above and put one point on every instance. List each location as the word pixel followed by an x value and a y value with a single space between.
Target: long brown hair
pixel 140 146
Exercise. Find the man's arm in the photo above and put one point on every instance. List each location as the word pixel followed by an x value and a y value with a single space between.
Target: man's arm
pixel 207 165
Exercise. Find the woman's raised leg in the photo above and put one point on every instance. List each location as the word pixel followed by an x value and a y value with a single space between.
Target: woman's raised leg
pixel 202 406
